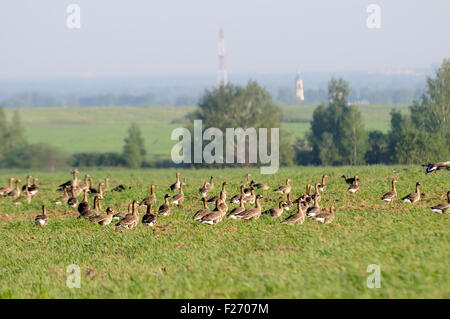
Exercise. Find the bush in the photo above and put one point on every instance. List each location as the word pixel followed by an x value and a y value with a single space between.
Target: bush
pixel 35 156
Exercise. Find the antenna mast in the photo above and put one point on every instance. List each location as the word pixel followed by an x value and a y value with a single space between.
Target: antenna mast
pixel 222 72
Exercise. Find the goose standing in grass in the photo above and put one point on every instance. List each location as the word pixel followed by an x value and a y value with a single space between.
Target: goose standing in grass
pixel 284 189
pixel 223 205
pixel 63 198
pixel 177 183
pixel 131 220
pixel 413 197
pixel 72 183
pixel 238 209
pixel 261 186
pixel 325 217
pixel 276 211
pixel 323 186
pixel 15 193
pixel 120 215
pixel 252 213
pixel 34 188
pixel 151 198
pixel 297 218
pixel 25 196
pixel 350 181
pixel 288 203
pixel 214 199
pixel 313 210
pixel 6 189
pixel 27 183
pixel 210 186
pixel 87 185
pixel 202 212
pixel 203 191
pixel 250 199
pixel 248 190
pixel 177 199
pixel 103 219
pixel 164 209
pixel 72 201
pixel 392 195
pixel 353 188
pixel 237 198
pixel 93 212
pixel 305 198
pixel 149 219
pixel 317 193
pixel 215 216
pixel 83 207
pixel 42 219
pixel 442 208
pixel 434 167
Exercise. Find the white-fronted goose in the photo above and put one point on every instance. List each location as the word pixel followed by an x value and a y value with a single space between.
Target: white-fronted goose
pixel 250 199
pixel 297 218
pixel 42 219
pixel 149 219
pixel 7 189
pixel 261 186
pixel 177 183
pixel 93 212
pixel 288 203
pixel 83 207
pixel 284 189
pixel 248 190
pixel 323 186
pixel 151 198
pixel 350 180
pixel 177 199
pixel 214 199
pixel 202 212
pixel 131 220
pixel 15 193
pixel 317 193
pixel 34 188
pixel 73 182
pixel 236 198
pixel 238 209
pixel 121 215
pixel 63 198
pixel 353 188
pixel 103 219
pixel 434 167
pixel 164 209
pixel 27 183
pixel 392 195
pixel 72 201
pixel 276 211
pixel 442 208
pixel 313 210
pixel 25 196
pixel 413 197
pixel 325 217
pixel 252 213
pixel 215 216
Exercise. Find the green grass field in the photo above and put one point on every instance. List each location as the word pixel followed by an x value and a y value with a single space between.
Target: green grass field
pixel 179 258
pixel 103 129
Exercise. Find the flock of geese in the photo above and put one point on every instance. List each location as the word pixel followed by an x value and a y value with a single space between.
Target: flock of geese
pixel 307 204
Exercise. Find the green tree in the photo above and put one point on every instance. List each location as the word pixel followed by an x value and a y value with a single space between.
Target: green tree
pixel 337 135
pixel 134 151
pixel 16 131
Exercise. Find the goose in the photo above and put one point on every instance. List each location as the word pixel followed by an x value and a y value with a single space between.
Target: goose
pixel 214 199
pixel 6 189
pixel 42 219
pixel 27 184
pixel 223 205
pixel 305 198
pixel 164 209
pixel 284 189
pixel 63 198
pixel 442 208
pixel 325 217
pixel 210 186
pixel 72 201
pixel 177 183
pixel 34 188
pixel 121 215
pixel 434 167
pixel 25 196
pixel 93 212
pixel 15 193
pixel 72 183
pixel 131 220
pixel 247 179
pixel 100 190
pixel 83 207
pixel 297 218
pixel 392 195
pixel 313 210
pixel 317 193
pixel 413 197
pixel 288 203
pixel 214 217
pixel 106 183
pixel 353 188
pixel 349 180
pixel 261 186
pixel 149 219
pixel 177 199
pixel 202 212
pixel 323 186
pixel 120 188
pixel 203 190
pixel 236 198
pixel 90 184
pixel 252 213
pixel 150 199
pixel 276 211
pixel 250 198
pixel 238 209
pixel 103 219
pixel 248 190
pixel 86 185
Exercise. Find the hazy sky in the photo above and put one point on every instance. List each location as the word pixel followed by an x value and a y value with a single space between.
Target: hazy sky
pixel 148 37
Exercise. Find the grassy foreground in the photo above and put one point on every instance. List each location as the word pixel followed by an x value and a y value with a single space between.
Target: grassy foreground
pixel 236 259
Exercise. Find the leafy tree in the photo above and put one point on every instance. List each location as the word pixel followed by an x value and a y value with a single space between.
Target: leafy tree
pixel 134 151
pixel 16 131
pixel 337 135
pixel 378 148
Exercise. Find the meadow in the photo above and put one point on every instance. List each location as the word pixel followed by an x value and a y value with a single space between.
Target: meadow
pixel 103 129
pixel 179 258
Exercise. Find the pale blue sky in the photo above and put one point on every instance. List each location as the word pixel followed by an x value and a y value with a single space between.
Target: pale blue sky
pixel 137 37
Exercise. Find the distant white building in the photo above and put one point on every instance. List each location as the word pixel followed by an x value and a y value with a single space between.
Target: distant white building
pixel 299 88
